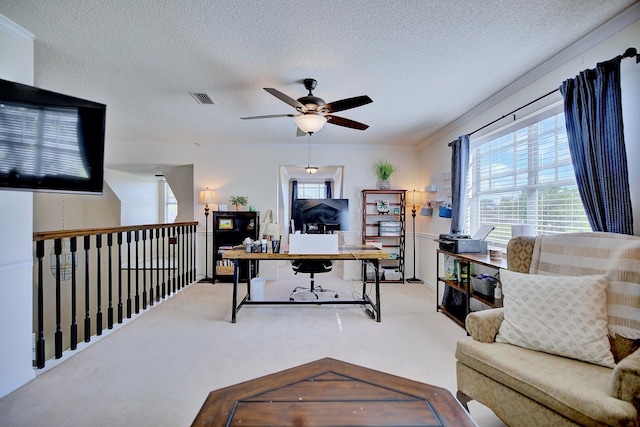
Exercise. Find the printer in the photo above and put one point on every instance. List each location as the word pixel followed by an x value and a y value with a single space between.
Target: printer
pixel 462 244
pixel 465 244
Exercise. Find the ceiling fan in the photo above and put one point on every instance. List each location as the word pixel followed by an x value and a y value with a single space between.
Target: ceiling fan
pixel 313 112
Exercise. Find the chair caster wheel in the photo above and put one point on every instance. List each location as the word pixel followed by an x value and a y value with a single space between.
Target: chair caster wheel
pixel 290 298
pixel 337 296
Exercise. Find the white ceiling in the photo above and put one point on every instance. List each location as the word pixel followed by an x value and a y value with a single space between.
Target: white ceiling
pixel 424 63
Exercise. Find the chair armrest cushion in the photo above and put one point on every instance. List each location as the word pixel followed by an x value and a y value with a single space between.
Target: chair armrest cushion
pixel 625 381
pixel 483 325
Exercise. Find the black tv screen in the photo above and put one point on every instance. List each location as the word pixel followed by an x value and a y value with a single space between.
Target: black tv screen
pixel 50 141
pixel 333 213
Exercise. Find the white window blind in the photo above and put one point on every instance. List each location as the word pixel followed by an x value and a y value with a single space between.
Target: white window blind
pixel 311 190
pixel 523 175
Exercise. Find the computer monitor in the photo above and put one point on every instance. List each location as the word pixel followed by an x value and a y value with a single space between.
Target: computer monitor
pixel 321 215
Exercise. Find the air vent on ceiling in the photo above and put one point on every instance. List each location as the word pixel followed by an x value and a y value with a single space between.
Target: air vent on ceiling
pixel 202 98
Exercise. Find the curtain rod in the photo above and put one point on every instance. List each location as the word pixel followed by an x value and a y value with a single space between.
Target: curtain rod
pixel 629 53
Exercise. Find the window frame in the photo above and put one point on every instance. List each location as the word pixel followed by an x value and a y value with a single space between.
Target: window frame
pixel 551 155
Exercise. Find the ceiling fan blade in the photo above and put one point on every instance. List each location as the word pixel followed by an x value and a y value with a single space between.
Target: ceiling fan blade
pixel 341 121
pixel 346 104
pixel 269 116
pixel 286 98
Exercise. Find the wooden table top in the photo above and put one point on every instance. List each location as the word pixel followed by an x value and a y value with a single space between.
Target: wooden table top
pixel 328 393
pixel 351 252
pixel 482 259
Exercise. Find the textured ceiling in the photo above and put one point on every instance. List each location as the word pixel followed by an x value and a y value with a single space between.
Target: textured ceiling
pixel 423 62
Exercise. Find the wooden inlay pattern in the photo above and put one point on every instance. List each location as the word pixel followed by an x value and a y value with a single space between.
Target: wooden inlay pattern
pixel 329 392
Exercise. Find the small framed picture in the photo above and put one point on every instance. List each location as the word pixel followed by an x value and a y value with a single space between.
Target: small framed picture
pixel 396 211
pixel 225 224
pixel 382 206
pixel 223 207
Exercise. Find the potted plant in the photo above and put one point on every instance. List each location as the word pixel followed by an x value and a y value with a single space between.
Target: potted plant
pixel 239 201
pixel 384 169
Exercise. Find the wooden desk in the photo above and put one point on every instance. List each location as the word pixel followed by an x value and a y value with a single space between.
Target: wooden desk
pixel 328 393
pixel 348 253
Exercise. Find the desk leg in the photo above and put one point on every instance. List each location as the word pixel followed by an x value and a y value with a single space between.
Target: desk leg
pixel 376 263
pixel 234 299
pixel 249 277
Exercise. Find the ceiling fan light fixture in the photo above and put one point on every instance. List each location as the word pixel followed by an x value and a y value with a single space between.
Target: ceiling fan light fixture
pixel 311 170
pixel 310 123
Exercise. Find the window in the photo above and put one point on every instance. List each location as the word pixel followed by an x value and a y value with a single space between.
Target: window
pixel 524 175
pixel 311 190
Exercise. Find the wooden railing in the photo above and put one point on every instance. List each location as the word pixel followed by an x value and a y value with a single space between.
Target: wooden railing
pixel 152 262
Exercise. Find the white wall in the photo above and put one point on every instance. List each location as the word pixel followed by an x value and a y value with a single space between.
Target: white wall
pixel 139 197
pixel 16 252
pixel 436 155
pixel 56 211
pixel 251 170
pixel 180 179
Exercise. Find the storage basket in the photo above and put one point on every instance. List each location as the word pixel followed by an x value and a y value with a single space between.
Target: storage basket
pixel 371 273
pixel 390 228
pixel 392 275
pixel 224 270
pixel 484 285
pixel 445 212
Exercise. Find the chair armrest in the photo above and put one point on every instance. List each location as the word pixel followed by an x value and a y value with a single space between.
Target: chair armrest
pixel 625 381
pixel 483 325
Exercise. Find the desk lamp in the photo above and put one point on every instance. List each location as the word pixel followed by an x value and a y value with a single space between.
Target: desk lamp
pixel 206 196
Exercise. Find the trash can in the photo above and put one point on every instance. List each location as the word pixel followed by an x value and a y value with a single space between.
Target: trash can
pixel 257 289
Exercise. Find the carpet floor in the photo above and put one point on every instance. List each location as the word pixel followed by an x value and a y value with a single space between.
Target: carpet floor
pixel 158 368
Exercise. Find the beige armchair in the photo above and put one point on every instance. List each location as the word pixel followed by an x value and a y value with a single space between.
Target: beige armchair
pixel 529 387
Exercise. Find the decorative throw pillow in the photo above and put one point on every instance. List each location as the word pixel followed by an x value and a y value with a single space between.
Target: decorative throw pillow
pixel 563 315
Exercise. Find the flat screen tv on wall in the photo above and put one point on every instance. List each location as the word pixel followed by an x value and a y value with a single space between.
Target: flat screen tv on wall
pixel 50 141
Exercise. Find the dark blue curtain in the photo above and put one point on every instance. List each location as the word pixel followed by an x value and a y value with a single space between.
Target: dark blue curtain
pixel 294 197
pixel 459 171
pixel 327 189
pixel 593 115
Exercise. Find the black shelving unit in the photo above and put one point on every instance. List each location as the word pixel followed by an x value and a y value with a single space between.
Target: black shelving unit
pixel 230 228
pixel 463 284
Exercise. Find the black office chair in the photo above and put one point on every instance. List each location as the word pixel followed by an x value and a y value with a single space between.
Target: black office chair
pixel 311 267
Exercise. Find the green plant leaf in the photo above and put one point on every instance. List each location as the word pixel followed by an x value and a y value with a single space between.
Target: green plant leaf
pixel 384 169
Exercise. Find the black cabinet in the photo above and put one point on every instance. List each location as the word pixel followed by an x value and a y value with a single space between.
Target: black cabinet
pixel 230 228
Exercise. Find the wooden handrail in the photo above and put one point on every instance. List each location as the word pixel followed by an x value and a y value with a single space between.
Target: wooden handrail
pixel 61 234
